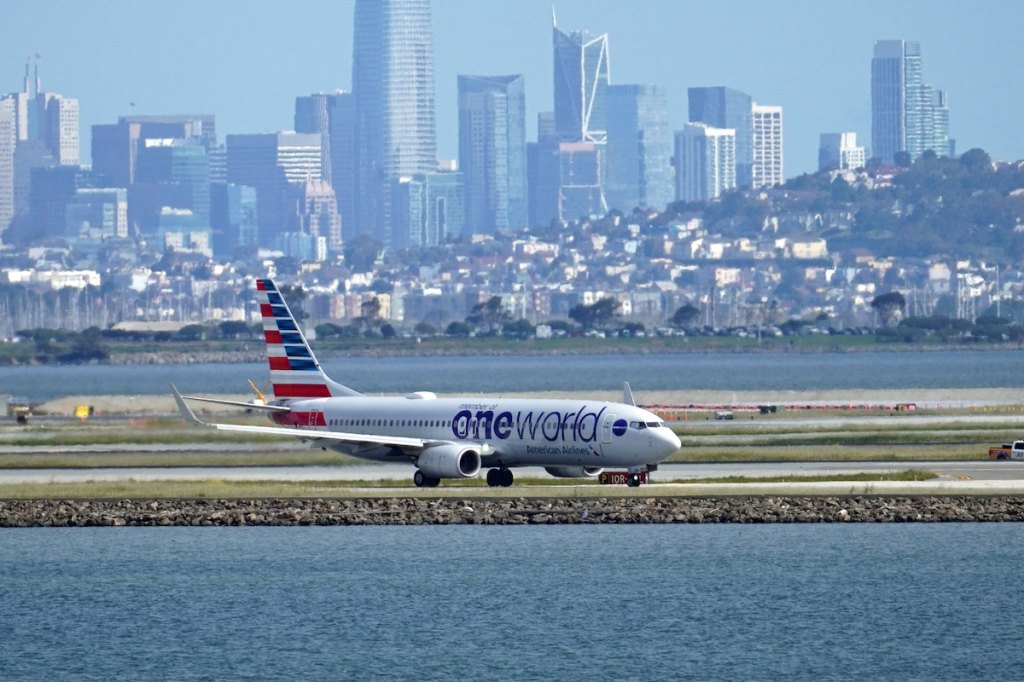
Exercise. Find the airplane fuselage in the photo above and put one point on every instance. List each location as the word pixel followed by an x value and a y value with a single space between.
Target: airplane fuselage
pixel 508 431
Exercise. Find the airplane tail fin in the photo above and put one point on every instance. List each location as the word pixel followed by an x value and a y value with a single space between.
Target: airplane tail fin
pixel 294 370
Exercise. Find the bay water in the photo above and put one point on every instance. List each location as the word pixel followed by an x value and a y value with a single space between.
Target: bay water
pixel 728 602
pixel 495 374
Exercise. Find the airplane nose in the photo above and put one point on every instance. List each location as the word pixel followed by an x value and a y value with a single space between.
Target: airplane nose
pixel 670 441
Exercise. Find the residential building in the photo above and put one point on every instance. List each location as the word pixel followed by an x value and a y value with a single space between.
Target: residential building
pixel 315 212
pixel 705 162
pixel 268 162
pixel 233 219
pixel 429 209
pixel 181 230
pixel 907 115
pixel 721 107
pixel 115 146
pixel 492 152
pixel 543 173
pixel 97 213
pixel 172 173
pixel 839 151
pixel 767 167
pixel 53 188
pixel 393 84
pixel 580 191
pixel 332 116
pixel 639 148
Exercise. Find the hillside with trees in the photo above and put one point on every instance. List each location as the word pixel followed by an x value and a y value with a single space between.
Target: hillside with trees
pixel 964 208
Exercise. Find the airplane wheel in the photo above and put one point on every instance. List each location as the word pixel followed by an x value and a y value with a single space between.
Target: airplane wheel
pixel 423 481
pixel 494 477
pixel 633 481
pixel 506 478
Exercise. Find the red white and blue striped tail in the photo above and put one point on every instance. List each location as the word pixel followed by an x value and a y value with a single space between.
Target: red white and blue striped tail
pixel 294 371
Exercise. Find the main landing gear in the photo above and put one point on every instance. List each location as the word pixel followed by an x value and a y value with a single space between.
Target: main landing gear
pixel 499 477
pixel 423 481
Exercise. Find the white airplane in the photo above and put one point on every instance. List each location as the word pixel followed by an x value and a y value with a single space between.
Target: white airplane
pixel 443 437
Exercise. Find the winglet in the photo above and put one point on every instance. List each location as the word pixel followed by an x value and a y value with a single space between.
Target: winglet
pixel 627 394
pixel 184 409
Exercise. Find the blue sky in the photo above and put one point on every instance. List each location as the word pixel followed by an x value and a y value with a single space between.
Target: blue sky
pixel 246 60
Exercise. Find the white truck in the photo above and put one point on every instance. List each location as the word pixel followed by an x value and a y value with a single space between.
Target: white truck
pixel 1007 451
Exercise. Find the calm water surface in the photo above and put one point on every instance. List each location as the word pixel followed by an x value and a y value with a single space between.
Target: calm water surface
pixel 814 602
pixel 497 374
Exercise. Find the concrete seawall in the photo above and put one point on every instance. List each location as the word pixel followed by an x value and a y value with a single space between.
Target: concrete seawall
pixel 408 511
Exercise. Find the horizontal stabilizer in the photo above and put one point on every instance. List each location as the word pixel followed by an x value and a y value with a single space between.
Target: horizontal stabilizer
pixel 239 403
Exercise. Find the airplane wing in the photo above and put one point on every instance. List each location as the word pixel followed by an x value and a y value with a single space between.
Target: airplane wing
pixel 306 434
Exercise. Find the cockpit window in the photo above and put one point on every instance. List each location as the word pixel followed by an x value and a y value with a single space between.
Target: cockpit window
pixel 639 426
pixel 653 425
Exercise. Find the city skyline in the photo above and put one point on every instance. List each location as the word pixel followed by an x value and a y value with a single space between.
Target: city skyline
pixel 248 73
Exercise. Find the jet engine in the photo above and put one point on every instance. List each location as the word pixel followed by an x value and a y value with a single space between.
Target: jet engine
pixel 573 472
pixel 449 461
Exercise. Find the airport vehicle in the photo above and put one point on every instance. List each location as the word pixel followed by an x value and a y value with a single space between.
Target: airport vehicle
pixel 1007 451
pixel 445 438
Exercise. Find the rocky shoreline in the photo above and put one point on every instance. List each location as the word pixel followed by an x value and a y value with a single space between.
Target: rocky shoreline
pixel 411 511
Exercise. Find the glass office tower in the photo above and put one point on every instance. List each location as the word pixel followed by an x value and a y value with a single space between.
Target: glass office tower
pixel 393 86
pixel 581 85
pixel 492 151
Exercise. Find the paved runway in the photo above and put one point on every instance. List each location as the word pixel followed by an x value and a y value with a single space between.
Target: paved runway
pixel 1011 473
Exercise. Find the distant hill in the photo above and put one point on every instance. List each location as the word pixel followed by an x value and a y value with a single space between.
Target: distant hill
pixel 964 208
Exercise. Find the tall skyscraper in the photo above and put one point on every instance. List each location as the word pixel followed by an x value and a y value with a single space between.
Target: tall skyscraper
pixel 639 150
pixel 8 140
pixel 706 162
pixel 393 85
pixel 492 151
pixel 840 151
pixel 721 107
pixel 47 117
pixel 581 85
pixel 907 115
pixel 44 126
pixel 767 168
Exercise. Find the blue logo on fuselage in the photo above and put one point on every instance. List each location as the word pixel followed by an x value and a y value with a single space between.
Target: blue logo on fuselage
pixel 552 426
pixel 619 427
